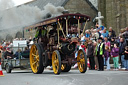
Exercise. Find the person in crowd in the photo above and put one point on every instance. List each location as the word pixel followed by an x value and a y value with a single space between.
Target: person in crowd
pixel 95 35
pixel 90 50
pixel 122 45
pixel 92 28
pixel 6 44
pixel 92 35
pixel 0 55
pixel 87 34
pixel 105 33
pixel 126 57
pixel 97 25
pixel 109 36
pixel 3 43
pixel 86 43
pixel 26 52
pixel 121 32
pixel 100 53
pixel 98 30
pixel 8 54
pixel 115 55
pixel 95 57
pixel 76 53
pixel 83 46
pixel 107 56
pixel 112 42
pixel 125 34
pixel 107 44
pixel 82 37
pixel 1 47
pixel 17 54
pixel 10 45
pixel 112 32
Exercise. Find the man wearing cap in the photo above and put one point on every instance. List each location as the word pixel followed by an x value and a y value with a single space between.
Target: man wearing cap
pixel 100 53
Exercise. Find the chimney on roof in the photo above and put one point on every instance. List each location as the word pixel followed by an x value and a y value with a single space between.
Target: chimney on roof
pixel 65 12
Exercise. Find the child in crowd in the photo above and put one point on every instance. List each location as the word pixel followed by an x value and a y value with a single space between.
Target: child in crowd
pixel 107 56
pixel 115 55
pixel 126 57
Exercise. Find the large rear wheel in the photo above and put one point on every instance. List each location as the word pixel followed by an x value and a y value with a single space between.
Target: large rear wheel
pixel 56 62
pixel 36 59
pixel 82 61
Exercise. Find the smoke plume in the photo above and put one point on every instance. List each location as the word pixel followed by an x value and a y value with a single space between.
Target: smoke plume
pixel 13 19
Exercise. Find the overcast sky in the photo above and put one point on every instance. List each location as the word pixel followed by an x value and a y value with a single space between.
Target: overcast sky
pixel 18 2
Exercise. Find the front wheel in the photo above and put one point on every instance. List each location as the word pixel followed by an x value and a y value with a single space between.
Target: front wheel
pixel 82 61
pixel 56 62
pixel 36 61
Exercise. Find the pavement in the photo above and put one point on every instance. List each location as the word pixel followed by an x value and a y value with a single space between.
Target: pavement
pixel 74 77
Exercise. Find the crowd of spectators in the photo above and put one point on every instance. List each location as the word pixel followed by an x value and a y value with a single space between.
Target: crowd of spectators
pixel 101 45
pixel 7 49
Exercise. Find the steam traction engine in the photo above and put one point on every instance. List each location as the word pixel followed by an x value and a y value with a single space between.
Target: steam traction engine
pixel 57 39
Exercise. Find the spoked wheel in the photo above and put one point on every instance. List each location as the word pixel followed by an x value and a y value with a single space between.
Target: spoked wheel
pixel 36 59
pixel 56 62
pixel 8 69
pixel 82 61
pixel 65 68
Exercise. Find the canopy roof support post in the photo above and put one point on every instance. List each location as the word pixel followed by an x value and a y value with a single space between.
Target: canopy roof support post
pixel 67 27
pixel 79 27
pixel 85 26
pixel 58 35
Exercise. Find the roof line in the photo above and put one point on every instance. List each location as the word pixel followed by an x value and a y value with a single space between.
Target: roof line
pixel 92 6
pixel 26 3
pixel 65 3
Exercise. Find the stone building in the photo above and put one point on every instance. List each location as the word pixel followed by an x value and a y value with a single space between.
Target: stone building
pixel 115 13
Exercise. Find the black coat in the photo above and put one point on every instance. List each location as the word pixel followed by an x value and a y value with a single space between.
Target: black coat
pixel 122 48
pixel 90 50
pixel 112 35
pixel 126 56
pixel 8 54
pixel 102 48
pixel 112 44
pixel 25 53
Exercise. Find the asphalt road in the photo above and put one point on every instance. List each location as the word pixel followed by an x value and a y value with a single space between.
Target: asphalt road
pixel 74 77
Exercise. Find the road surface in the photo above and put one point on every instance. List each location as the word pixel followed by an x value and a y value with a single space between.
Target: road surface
pixel 74 77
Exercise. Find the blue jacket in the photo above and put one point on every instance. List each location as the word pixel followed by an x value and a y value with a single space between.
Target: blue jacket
pixel 105 34
pixel 87 35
